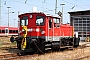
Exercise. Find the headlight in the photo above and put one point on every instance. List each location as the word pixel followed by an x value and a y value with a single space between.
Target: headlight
pixel 43 32
pixel 37 29
pixel 22 30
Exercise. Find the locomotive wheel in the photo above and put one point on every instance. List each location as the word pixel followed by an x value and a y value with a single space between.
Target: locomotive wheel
pixel 12 39
pixel 40 47
pixel 76 42
pixel 56 46
pixel 19 45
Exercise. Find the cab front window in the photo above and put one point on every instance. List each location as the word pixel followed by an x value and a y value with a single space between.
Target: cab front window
pixel 24 21
pixel 40 20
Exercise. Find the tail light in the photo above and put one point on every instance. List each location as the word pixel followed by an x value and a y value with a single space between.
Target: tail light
pixel 42 31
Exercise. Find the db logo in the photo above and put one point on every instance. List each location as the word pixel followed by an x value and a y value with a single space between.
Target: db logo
pixel 33 30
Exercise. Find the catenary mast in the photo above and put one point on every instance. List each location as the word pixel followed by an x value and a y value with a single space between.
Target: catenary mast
pixel 0 12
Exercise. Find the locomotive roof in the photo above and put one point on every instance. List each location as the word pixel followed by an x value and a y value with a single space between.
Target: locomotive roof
pixel 32 13
pixel 49 15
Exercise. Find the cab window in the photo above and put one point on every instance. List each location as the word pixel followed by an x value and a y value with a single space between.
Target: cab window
pixel 56 22
pixel 24 21
pixel 40 20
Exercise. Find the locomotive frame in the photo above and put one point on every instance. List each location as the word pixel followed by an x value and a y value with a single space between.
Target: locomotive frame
pixel 39 32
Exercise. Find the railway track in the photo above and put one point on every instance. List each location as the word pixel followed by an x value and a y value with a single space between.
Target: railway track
pixel 7 56
pixel 14 56
pixel 82 47
pixel 80 58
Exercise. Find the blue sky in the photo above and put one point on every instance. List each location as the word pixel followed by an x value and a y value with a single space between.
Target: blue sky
pixel 46 6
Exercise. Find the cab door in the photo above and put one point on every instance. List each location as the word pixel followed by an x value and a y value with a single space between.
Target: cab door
pixel 50 29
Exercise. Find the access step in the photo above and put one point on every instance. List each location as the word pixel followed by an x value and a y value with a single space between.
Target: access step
pixel 48 45
pixel 66 47
pixel 48 48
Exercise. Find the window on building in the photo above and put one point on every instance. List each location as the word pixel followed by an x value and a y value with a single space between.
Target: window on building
pixel 84 21
pixel 79 35
pixel 88 29
pixel 84 24
pixel 76 29
pixel 88 21
pixel 84 29
pixel 75 21
pixel 75 18
pixel 84 32
pixel 88 18
pixel 75 24
pixel 84 35
pixel 80 28
pixel 80 24
pixel 84 18
pixel 80 21
pixel 88 24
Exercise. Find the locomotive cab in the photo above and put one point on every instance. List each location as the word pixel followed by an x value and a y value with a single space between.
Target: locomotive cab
pixel 40 32
pixel 31 31
pixel 35 24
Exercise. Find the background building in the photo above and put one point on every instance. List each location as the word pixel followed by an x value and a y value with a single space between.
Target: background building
pixel 81 22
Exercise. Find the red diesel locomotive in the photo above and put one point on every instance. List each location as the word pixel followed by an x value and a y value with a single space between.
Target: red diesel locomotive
pixel 39 32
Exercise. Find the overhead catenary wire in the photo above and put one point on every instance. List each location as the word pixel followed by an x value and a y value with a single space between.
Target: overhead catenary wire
pixel 45 2
pixel 51 3
pixel 73 4
pixel 44 8
pixel 25 1
pixel 47 10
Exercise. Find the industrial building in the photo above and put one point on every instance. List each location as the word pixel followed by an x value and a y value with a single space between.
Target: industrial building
pixel 81 22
